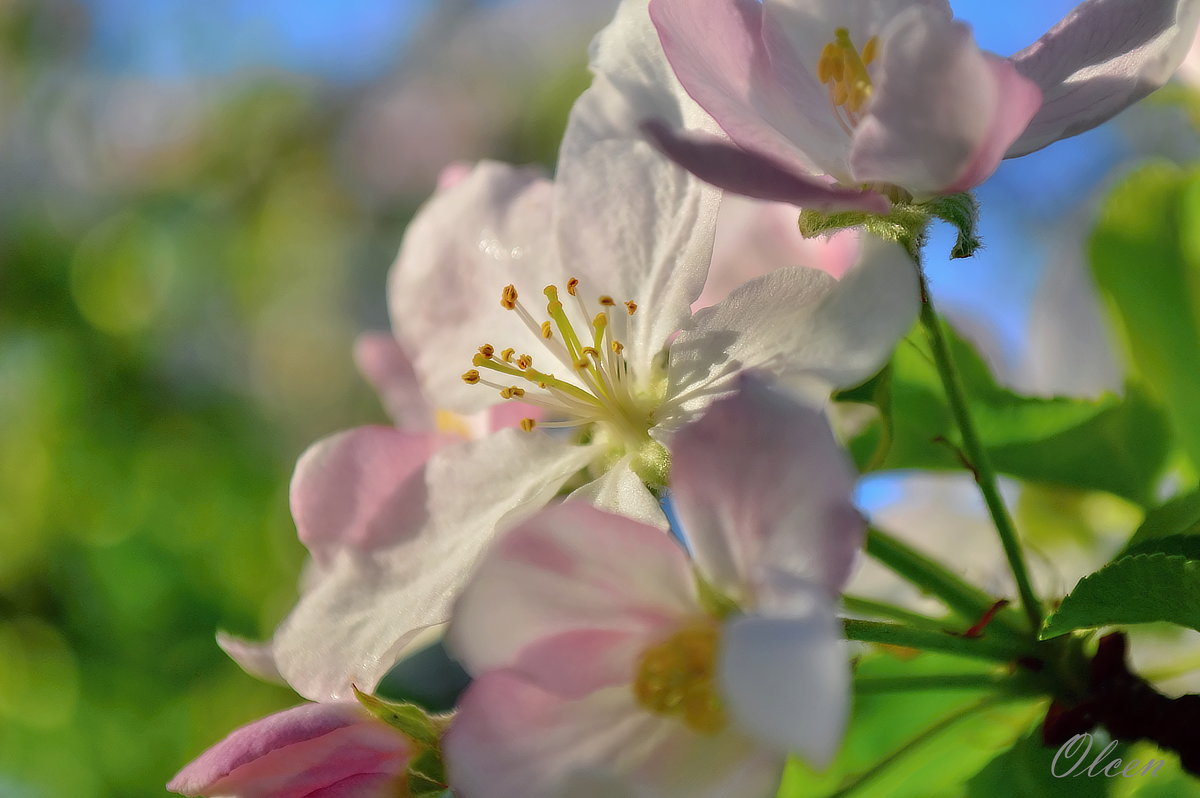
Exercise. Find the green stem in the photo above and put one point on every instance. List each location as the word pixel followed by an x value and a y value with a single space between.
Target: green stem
pixel 879 609
pixel 964 598
pixel 925 736
pixel 978 460
pixel 894 634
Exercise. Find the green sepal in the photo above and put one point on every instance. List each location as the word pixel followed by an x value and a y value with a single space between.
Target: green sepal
pixel 411 720
pixel 960 211
pixel 907 223
pixel 427 775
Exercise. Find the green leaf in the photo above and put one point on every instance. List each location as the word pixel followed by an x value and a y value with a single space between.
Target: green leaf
pixel 1180 516
pixel 1025 770
pixel 417 724
pixel 885 722
pixel 1187 546
pixel 1145 255
pixel 1113 444
pixel 1143 588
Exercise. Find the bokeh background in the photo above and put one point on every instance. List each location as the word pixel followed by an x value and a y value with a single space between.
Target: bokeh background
pixel 199 201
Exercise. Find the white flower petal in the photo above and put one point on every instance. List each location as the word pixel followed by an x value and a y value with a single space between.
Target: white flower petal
pixel 351 624
pixel 1103 57
pixel 620 490
pixel 786 680
pixel 806 329
pixel 764 496
pixel 487 231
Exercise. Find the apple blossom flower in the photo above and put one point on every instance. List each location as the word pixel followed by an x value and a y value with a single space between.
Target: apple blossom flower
pixel 894 95
pixel 335 750
pixel 601 650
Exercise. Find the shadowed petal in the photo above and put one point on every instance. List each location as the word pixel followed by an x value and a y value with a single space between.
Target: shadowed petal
pixel 755 175
pixel 764 494
pixel 363 488
pixel 1100 59
pixel 390 372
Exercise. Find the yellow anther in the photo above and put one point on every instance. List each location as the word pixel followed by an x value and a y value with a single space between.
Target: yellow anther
pixel 572 284
pixel 517 392
pixel 590 352
pixel 677 677
pixel 487 350
pixel 524 362
pixel 551 292
pixel 527 424
pixel 830 66
pixel 844 70
pixel 631 307
pixel 512 393
pixel 581 364
pixel 547 330
pixel 871 50
pixel 471 377
pixel 607 301
pixel 479 359
pixel 507 355
pixel 508 297
pixel 618 347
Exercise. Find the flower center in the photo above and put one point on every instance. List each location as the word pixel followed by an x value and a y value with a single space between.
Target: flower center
pixel 843 68
pixel 677 677
pixel 595 385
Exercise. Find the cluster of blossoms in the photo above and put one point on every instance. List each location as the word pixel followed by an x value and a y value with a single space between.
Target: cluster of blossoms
pixel 622 503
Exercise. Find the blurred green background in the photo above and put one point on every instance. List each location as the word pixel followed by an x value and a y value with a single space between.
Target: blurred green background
pixel 189 244
pixel 199 201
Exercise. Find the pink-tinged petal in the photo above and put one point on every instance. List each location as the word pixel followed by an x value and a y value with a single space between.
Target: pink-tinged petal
pixel 764 494
pixel 755 238
pixel 297 753
pixel 365 785
pixel 755 175
pixel 806 329
pixel 570 568
pixel 463 247
pixel 390 372
pixel 717 51
pixel 943 111
pixel 511 414
pixel 786 680
pixel 512 740
pixel 353 623
pixel 256 659
pixel 454 173
pixel 1103 57
pixel 361 489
